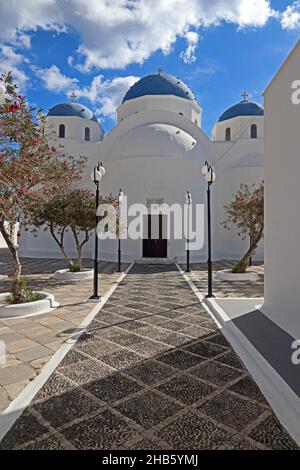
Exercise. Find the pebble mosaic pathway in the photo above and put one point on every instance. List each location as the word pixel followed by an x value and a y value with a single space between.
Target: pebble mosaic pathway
pixel 152 371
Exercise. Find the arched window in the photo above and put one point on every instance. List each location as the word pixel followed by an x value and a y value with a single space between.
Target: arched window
pixel 61 131
pixel 87 133
pixel 253 131
pixel 228 133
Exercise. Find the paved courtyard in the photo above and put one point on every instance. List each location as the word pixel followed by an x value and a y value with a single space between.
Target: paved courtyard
pixel 30 342
pixel 152 371
pixel 221 289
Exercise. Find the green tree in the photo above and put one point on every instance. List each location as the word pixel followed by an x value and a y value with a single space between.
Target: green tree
pixel 246 212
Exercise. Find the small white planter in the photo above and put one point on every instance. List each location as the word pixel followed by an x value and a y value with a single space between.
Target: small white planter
pixel 228 275
pixel 38 307
pixel 67 275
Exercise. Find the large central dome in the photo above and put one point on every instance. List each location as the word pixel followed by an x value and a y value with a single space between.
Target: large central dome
pixel 159 84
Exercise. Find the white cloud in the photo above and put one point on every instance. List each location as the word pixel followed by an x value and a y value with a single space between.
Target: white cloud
pixel 11 61
pixel 290 18
pixel 54 80
pixel 188 56
pixel 106 94
pixel 114 34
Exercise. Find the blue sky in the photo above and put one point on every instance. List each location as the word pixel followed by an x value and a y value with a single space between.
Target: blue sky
pixel 99 48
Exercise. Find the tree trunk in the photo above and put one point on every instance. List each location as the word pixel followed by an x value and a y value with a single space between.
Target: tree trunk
pixel 61 246
pixel 242 265
pixel 18 288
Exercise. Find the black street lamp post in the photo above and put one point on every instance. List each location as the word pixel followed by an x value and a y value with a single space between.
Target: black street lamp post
pixel 97 175
pixel 210 177
pixel 120 200
pixel 188 199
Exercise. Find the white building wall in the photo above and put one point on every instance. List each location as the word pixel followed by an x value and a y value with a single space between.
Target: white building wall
pixel 239 128
pixel 187 108
pixel 74 128
pixel 282 197
pixel 158 154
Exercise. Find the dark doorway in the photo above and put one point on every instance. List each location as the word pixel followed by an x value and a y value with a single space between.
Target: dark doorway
pixel 155 246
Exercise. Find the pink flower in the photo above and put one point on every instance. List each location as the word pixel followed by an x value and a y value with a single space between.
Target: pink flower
pixel 23 190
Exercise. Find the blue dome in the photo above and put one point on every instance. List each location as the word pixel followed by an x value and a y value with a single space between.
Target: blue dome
pixel 159 84
pixel 72 109
pixel 244 108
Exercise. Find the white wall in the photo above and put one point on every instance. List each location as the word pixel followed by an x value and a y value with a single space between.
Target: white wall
pixel 174 104
pixel 239 127
pixel 282 198
pixel 74 128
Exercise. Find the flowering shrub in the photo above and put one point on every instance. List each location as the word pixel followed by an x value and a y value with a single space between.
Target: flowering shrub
pixel 246 212
pixel 30 170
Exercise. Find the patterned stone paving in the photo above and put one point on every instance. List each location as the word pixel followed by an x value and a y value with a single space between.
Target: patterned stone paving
pixel 198 275
pixel 30 342
pixel 147 375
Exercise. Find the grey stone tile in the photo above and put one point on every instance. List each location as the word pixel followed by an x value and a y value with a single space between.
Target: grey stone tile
pixel 126 339
pixel 146 444
pixel 131 325
pixel 121 359
pixel 231 410
pixel 181 359
pixel 71 357
pixel 16 373
pixel 218 339
pixel 64 408
pixel 205 349
pixel 176 339
pixel 27 427
pixel 148 409
pixel 243 444
pixel 56 385
pixel 231 359
pixel 32 354
pixel 186 389
pixel 49 442
pixel 150 372
pixel 194 433
pixel 149 348
pixel 216 373
pixel 97 348
pixel 112 388
pixel 248 388
pixel 109 318
pixel 85 371
pixel 197 332
pixel 172 325
pixel 104 431
pixel 271 434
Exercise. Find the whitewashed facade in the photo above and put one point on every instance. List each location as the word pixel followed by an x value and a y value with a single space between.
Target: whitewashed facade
pixel 155 152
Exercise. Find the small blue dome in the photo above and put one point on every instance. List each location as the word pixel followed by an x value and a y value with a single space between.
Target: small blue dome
pixel 244 108
pixel 159 84
pixel 72 109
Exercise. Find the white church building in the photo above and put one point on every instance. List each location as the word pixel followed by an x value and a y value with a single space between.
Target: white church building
pixel 155 153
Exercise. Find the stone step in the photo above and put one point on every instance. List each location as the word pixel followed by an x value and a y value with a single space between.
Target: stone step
pixel 154 261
